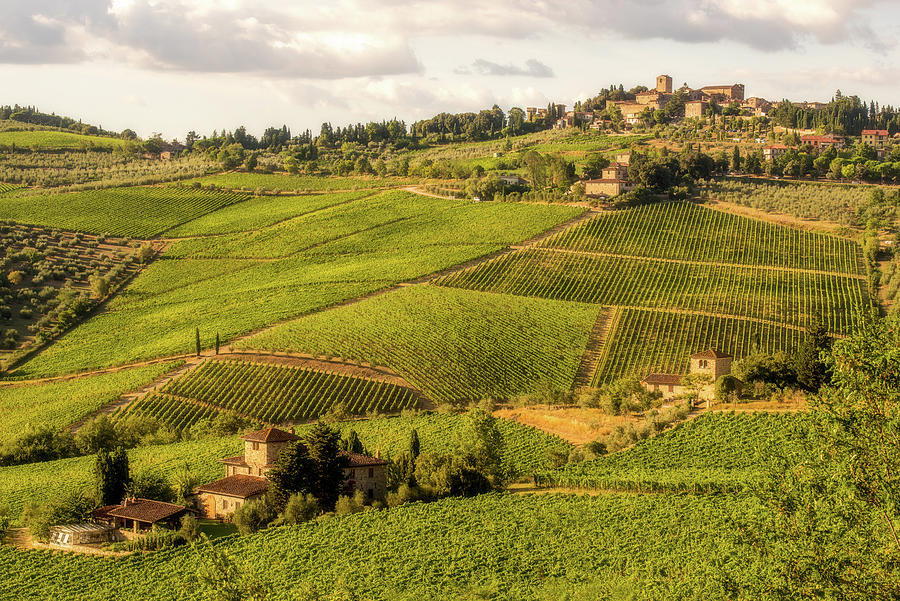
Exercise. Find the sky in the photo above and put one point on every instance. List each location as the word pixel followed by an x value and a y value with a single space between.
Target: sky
pixel 171 66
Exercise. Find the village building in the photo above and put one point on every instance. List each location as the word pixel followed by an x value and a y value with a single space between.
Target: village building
pixel 877 139
pixel 726 93
pixel 711 362
pixel 140 514
pixel 245 476
pixel 822 142
pixel 773 151
pixel 513 180
pixel 605 187
pixel 664 84
pixel 695 109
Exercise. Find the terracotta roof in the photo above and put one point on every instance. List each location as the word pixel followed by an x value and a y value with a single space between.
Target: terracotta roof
pixel 711 354
pixel 777 146
pixel 145 510
pixel 605 181
pixel 663 379
pixel 875 132
pixel 240 486
pixel 239 461
pixel 358 460
pixel 818 139
pixel 270 435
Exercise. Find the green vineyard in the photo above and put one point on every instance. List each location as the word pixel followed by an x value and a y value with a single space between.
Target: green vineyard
pixel 647 341
pixel 267 393
pixel 716 452
pixel 690 232
pixel 4 188
pixel 139 212
pixel 495 546
pixel 789 297
pixel 452 344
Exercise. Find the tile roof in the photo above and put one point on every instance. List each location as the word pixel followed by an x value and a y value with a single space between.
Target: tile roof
pixel 143 510
pixel 711 354
pixel 663 379
pixel 875 132
pixel 239 461
pixel 241 486
pixel 270 435
pixel 359 460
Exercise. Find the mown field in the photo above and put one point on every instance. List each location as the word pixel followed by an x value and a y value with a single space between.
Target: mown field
pixel 282 182
pixel 267 393
pixel 58 404
pixel 53 140
pixel 138 212
pixel 453 344
pixel 261 211
pixel 716 452
pixel 322 259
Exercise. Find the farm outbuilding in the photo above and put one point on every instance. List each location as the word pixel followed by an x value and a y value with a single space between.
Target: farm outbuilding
pixel 140 514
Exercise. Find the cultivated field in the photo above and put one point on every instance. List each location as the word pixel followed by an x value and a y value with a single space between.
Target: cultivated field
pixel 139 212
pixel 267 393
pixel 453 344
pixel 282 182
pixel 54 140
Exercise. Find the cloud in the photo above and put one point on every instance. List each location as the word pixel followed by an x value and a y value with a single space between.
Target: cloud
pixel 532 68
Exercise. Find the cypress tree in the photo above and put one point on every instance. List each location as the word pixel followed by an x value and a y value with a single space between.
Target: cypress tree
pixel 197 336
pixel 414 444
pixel 353 443
pixel 112 474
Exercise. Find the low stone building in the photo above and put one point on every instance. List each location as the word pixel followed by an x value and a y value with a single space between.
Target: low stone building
pixel 695 109
pixel 605 187
pixel 773 151
pixel 711 362
pixel 140 514
pixel 83 534
pixel 245 476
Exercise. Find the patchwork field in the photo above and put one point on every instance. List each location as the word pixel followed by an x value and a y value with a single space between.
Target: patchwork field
pixel 323 258
pixel 267 393
pixel 271 182
pixel 58 404
pixel 453 344
pixel 139 212
pixel 53 140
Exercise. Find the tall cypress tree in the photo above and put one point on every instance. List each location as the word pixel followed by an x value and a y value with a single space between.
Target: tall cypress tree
pixel 324 446
pixel 112 474
pixel 414 444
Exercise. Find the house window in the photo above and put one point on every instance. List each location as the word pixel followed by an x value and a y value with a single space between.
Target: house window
pixel 671 388
pixel 703 363
pixel 224 503
pixel 255 446
pixel 371 472
pixel 371 493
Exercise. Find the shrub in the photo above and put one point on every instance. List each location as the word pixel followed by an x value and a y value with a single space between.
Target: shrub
pixel 253 516
pixel 348 504
pixel 300 508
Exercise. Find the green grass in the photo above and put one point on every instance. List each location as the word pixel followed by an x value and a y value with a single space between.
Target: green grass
pixel 453 344
pixel 692 232
pixel 58 404
pixel 50 480
pixel 260 211
pixel 646 341
pixel 714 452
pixel 788 297
pixel 54 140
pixel 298 183
pixel 139 212
pixel 268 393
pixel 496 546
pixel 156 314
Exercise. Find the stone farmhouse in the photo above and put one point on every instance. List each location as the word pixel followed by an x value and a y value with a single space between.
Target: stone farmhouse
pixel 614 179
pixel 773 151
pixel 711 362
pixel 877 139
pixel 245 475
pixel 822 142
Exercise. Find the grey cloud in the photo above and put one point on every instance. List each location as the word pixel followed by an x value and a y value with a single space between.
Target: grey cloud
pixel 532 68
pixel 35 31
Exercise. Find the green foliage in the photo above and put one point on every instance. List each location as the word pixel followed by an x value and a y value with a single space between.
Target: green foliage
pixel 56 140
pixel 327 475
pixel 621 396
pixel 291 183
pixel 350 504
pixel 253 516
pixel 300 508
pixel 222 578
pixel 141 212
pixel 452 344
pixel 292 474
pixel 112 475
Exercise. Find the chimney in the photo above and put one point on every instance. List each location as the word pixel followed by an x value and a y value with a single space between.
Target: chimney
pixel 292 429
pixel 377 453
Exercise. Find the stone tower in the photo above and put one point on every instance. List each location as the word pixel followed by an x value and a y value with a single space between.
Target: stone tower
pixel 664 84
